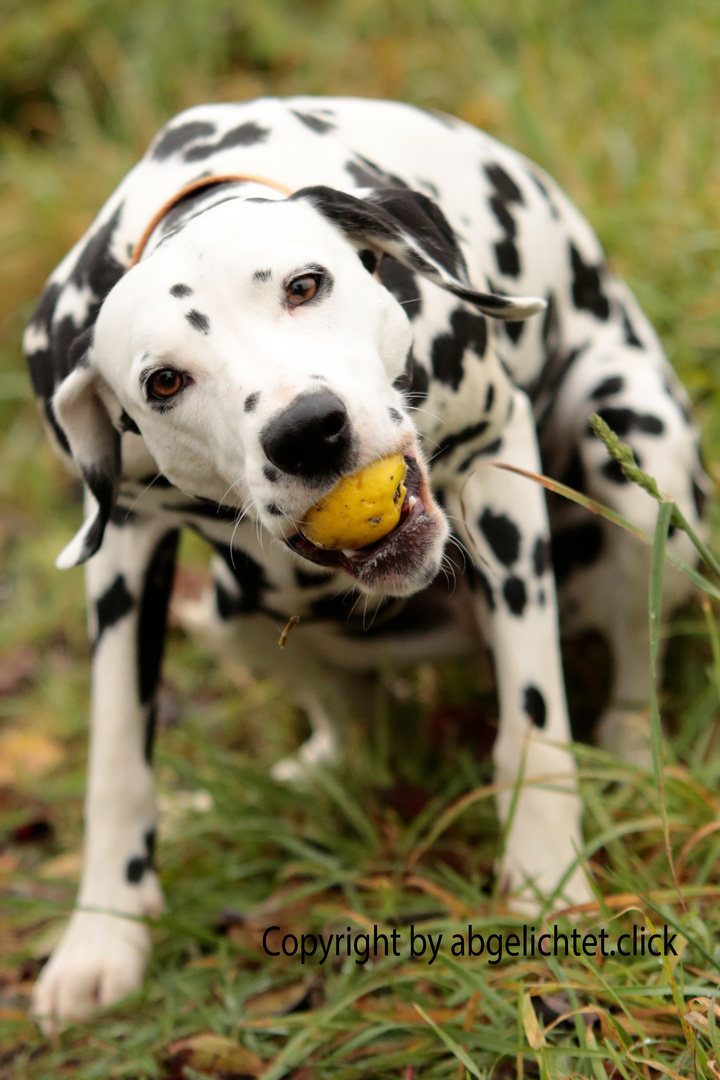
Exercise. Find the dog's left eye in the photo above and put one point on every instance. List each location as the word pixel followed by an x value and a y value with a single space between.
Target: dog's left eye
pixel 165 383
pixel 303 288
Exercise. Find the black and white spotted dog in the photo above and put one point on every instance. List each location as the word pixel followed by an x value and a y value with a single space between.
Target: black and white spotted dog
pixel 278 294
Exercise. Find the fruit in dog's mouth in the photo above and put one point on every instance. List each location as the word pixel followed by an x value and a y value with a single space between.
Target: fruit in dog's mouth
pixel 360 509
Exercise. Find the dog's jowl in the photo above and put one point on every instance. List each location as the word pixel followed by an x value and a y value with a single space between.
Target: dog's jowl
pixel 280 295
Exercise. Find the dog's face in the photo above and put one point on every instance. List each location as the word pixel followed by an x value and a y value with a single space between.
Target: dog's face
pixel 256 354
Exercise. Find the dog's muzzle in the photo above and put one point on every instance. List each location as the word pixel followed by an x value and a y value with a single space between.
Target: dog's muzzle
pixel 407 558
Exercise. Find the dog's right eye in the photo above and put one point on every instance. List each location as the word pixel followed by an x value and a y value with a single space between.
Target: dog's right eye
pixel 164 384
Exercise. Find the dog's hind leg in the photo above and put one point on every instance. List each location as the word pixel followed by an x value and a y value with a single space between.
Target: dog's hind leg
pixel 103 952
pixel 603 572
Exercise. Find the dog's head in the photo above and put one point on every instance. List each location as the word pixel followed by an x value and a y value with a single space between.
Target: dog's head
pixel 258 355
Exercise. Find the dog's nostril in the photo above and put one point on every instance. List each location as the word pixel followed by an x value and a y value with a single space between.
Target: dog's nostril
pixel 333 423
pixel 311 438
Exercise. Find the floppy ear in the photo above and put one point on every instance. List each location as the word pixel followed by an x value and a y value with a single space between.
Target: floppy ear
pixel 411 228
pixel 95 447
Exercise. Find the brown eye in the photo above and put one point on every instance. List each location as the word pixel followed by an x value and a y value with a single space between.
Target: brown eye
pixel 302 289
pixel 165 383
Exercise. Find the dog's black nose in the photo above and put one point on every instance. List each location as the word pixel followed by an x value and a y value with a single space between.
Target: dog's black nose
pixel 311 438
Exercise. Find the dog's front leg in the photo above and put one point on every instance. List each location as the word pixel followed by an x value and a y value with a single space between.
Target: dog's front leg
pixel 103 952
pixel 502 519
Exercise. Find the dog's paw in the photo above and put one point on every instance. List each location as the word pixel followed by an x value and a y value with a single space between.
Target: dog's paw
pixel 626 734
pixel 320 749
pixel 529 897
pixel 541 861
pixel 100 959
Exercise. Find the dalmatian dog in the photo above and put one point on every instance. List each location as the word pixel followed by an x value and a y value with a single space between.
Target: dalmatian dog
pixel 279 293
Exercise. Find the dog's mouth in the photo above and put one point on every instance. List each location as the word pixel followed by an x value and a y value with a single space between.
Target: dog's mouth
pixel 402 555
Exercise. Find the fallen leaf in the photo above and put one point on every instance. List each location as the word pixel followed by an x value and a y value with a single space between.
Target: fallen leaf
pixel 210 1053
pixel 67 866
pixel 25 753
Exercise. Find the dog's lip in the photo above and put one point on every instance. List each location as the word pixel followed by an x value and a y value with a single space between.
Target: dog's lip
pixel 416 511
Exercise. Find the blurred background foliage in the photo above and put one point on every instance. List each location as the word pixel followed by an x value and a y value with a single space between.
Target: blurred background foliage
pixel 618 99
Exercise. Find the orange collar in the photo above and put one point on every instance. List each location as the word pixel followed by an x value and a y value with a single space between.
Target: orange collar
pixel 196 185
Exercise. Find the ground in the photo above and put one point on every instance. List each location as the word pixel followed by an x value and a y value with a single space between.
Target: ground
pixel 618 100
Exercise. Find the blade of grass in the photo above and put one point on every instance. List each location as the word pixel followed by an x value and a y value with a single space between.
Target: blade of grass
pixel 665 512
pixel 603 511
pixel 452 1046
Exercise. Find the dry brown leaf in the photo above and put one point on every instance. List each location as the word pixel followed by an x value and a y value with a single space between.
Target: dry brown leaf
pixel 531 1025
pixel 25 753
pixel 66 866
pixel 278 1002
pixel 211 1053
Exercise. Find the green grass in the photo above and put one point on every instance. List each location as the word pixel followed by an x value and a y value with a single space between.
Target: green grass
pixel 618 99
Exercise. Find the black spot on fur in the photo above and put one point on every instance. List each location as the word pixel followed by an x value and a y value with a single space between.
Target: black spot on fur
pixel 262 275
pixel 248 134
pixel 535 707
pixel 97 268
pixel 174 139
pixel 506 194
pixel 574 474
pixel 402 283
pixel 395 416
pixel 251 401
pixel 114 604
pixel 550 324
pixel 225 602
pixel 311 581
pixel 542 557
pixel 469 331
pixel 271 474
pixel 251 578
pixel 369 259
pixel 180 291
pixel 545 193
pixel 614 384
pixel 612 470
pixel 156 479
pixel 625 421
pixel 576 547
pixel 367 174
pixel 515 595
pixel 414 381
pixel 198 321
pixel 150 728
pixel 514 330
pixel 135 870
pixel 502 535
pixel 631 337
pixel 273 509
pixel 451 442
pixel 128 424
pixel 479 580
pixel 587 290
pixel 482 451
pixel 489 397
pixel 153 615
pixel 314 122
pixel 699 498
pixel 122 515
pixel 150 841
